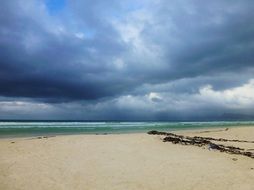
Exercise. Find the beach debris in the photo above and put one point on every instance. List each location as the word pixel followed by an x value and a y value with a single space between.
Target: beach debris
pixel 43 137
pixel 220 130
pixel 234 159
pixel 12 142
pixel 212 146
pixel 204 141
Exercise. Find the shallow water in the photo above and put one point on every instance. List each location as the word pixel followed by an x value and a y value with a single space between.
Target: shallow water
pixel 32 128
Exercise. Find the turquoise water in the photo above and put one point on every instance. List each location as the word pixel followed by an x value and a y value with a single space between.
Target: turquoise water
pixel 21 129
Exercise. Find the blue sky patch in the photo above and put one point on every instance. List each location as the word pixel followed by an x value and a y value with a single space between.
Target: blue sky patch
pixel 54 6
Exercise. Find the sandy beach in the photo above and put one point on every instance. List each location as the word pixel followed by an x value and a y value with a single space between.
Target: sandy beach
pixel 125 161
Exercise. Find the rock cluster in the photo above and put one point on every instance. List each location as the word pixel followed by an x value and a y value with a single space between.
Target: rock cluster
pixel 204 141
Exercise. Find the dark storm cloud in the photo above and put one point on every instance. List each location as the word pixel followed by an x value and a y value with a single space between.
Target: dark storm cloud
pixel 201 38
pixel 99 52
pixel 36 62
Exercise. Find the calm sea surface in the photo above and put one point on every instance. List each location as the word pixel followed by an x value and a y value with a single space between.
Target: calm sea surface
pixel 21 129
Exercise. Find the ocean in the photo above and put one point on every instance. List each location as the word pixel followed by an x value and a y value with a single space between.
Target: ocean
pixel 39 128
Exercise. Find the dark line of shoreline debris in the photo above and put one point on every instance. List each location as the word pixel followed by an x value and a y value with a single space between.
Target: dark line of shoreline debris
pixel 204 141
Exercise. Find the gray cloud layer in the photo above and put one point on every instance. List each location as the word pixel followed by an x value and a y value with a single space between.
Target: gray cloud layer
pixel 123 59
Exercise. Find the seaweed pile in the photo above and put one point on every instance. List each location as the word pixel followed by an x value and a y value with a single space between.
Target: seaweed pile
pixel 205 141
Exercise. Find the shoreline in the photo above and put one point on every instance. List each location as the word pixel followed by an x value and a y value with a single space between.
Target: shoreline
pixel 204 129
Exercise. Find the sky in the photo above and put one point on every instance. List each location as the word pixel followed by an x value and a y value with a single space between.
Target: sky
pixel 126 60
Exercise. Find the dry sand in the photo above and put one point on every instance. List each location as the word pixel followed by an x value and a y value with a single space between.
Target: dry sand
pixel 123 162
